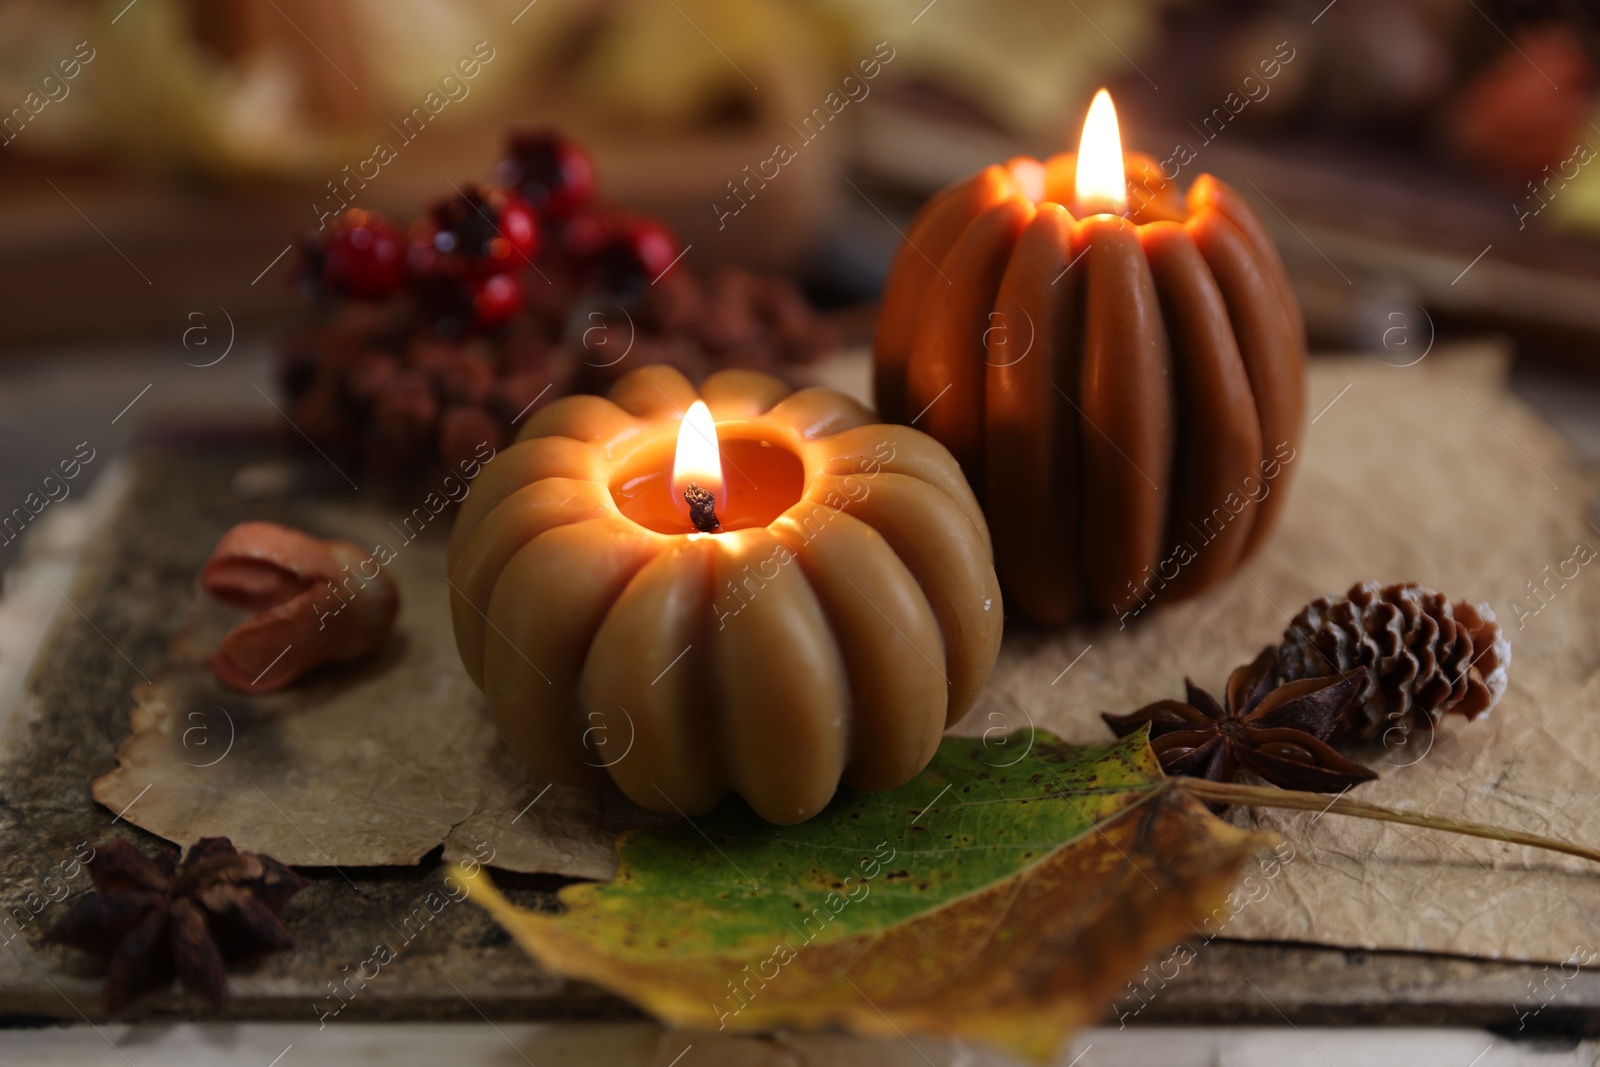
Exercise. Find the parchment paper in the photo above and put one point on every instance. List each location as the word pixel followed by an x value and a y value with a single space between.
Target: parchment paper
pixel 1432 472
pixel 372 766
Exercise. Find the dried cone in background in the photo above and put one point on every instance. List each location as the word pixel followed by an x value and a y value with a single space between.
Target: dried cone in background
pixel 502 298
pixel 1423 656
pixel 395 393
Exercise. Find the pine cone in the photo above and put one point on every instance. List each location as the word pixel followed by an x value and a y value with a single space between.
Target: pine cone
pixel 385 387
pixel 1422 655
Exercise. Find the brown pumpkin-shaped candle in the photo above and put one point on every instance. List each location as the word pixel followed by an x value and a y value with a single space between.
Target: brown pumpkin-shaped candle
pixel 1118 369
pixel 740 590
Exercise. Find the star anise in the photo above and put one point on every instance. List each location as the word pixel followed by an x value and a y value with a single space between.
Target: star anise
pixel 1279 734
pixel 152 919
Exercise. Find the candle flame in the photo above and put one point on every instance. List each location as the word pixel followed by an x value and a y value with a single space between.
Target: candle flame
pixel 697 459
pixel 1102 185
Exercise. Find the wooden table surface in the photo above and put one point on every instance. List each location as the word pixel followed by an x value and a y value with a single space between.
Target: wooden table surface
pixel 127 598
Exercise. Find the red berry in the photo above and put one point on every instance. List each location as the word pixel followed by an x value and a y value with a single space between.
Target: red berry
pixel 517 240
pixel 465 255
pixel 496 299
pixel 582 234
pixel 550 171
pixel 423 257
pixel 490 231
pixel 635 254
pixel 363 256
pixel 439 279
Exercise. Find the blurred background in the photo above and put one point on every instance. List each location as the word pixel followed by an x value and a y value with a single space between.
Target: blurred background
pixel 1425 166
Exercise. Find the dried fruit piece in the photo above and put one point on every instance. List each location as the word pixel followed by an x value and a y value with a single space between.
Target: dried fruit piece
pixel 316 602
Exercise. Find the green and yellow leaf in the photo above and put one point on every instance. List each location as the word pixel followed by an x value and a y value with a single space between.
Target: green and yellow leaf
pixel 993 902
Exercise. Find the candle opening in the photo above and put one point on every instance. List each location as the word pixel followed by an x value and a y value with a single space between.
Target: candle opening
pixel 763 478
pixel 1101 185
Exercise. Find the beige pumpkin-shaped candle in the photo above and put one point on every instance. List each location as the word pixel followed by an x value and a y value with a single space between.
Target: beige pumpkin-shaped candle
pixel 745 590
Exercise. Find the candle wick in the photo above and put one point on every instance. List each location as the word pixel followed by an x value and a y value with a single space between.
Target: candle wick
pixel 702 508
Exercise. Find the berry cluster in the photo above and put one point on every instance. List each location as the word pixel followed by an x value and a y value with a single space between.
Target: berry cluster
pixel 432 341
pixel 462 262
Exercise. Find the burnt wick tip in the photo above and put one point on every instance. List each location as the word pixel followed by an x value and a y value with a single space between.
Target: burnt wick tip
pixel 702 508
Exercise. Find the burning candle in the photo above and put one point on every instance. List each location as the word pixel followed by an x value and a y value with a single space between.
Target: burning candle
pixel 739 590
pixel 1099 183
pixel 1117 367
pixel 697 468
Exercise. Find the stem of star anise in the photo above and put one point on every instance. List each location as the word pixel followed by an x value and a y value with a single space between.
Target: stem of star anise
pixel 1255 796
